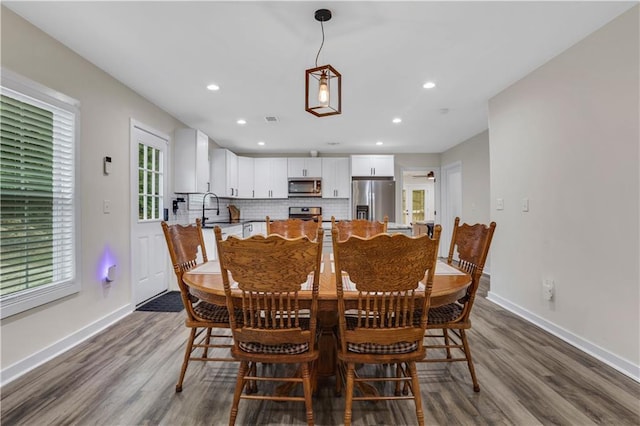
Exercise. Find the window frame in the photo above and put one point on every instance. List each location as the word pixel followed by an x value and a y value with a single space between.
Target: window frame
pixel 24 300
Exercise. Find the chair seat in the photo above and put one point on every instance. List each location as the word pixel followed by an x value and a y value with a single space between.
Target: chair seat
pixel 214 313
pixel 444 314
pixel 284 349
pixel 373 348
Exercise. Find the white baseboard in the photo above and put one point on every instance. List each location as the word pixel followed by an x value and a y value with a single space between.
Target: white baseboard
pixel 21 367
pixel 622 365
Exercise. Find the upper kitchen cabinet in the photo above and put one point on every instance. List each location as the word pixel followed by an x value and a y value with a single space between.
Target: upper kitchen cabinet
pixel 224 173
pixel 270 180
pixel 304 167
pixel 246 177
pixel 190 161
pixel 336 181
pixel 372 166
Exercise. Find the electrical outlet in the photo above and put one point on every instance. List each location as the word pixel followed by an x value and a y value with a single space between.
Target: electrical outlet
pixel 548 289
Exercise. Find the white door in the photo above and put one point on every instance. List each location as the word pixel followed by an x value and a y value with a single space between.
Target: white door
pixel 418 196
pixel 149 256
pixel 418 205
pixel 451 203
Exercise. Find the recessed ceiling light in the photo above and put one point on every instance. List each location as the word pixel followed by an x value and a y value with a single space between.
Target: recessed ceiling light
pixel 397 120
pixel 429 85
pixel 261 143
pixel 241 121
pixel 213 87
pixel 379 143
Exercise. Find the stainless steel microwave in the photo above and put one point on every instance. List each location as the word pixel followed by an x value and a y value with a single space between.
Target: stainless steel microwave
pixel 305 187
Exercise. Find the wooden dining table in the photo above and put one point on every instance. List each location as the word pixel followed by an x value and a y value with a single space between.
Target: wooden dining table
pixel 205 282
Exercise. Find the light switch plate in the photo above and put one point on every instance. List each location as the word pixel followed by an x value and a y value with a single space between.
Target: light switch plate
pixel 106 206
pixel 499 204
pixel 525 204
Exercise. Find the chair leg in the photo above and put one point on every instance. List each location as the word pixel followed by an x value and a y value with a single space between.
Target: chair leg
pixel 187 355
pixel 339 378
pixel 467 352
pixel 242 372
pixel 415 387
pixel 207 343
pixel 349 393
pixel 447 341
pixel 308 389
pixel 252 385
pixel 398 375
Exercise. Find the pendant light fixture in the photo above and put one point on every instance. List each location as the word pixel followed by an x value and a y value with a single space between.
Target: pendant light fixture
pixel 323 84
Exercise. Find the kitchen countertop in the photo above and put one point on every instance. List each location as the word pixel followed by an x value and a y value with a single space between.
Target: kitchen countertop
pixel 227 223
pixel 391 226
pixel 325 224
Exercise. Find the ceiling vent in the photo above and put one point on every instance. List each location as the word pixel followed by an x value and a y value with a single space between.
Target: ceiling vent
pixel 271 119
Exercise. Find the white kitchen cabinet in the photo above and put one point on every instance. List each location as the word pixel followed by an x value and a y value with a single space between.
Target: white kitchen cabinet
pixel 245 177
pixel 270 179
pixel 336 180
pixel 258 228
pixel 190 161
pixel 304 167
pixel 210 239
pixel 372 165
pixel 224 173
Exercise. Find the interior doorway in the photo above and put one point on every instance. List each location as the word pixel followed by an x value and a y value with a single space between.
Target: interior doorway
pixel 418 196
pixel 451 201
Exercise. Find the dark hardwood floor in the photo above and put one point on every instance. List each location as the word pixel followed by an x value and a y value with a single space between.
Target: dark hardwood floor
pixel 126 376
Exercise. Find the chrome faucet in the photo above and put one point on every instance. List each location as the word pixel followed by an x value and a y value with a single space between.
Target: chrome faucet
pixel 203 204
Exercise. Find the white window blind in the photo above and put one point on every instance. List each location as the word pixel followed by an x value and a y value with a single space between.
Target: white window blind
pixel 37 200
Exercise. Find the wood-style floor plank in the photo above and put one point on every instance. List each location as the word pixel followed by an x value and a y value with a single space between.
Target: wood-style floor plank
pixel 126 375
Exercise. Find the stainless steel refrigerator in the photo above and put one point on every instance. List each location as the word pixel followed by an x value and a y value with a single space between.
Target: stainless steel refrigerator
pixel 374 199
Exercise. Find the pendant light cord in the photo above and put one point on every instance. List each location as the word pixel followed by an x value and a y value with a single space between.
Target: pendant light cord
pixel 321 44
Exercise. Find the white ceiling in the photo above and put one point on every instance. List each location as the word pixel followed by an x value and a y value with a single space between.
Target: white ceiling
pixel 257 53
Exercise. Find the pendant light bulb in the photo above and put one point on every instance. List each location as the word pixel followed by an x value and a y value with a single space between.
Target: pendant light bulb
pixel 323 90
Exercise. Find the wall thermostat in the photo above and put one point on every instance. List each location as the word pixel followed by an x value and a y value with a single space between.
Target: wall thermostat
pixel 107 165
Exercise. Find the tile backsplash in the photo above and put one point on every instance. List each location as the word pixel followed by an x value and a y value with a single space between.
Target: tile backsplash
pixel 257 209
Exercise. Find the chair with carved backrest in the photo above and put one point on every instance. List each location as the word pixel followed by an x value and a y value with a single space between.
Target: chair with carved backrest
pixel 359 227
pixel 264 276
pixel 382 326
pixel 293 228
pixel 183 243
pixel 470 245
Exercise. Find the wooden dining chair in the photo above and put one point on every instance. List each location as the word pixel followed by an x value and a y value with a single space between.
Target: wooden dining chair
pixel 385 271
pixel 468 251
pixel 183 243
pixel 293 228
pixel 360 227
pixel 264 276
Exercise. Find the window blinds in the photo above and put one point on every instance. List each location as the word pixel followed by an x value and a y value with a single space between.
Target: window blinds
pixel 36 194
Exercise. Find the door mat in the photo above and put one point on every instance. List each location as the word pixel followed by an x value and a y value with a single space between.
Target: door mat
pixel 168 302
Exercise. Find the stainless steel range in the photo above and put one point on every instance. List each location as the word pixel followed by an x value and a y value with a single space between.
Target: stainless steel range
pixel 305 213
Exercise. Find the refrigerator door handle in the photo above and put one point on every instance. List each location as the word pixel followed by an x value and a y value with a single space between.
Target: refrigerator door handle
pixel 373 205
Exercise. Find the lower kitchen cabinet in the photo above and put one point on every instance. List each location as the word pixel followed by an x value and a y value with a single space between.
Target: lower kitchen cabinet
pixel 210 239
pixel 258 228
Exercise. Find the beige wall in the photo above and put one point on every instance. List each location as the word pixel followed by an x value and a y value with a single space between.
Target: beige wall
pixel 567 137
pixel 473 154
pixel 106 109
